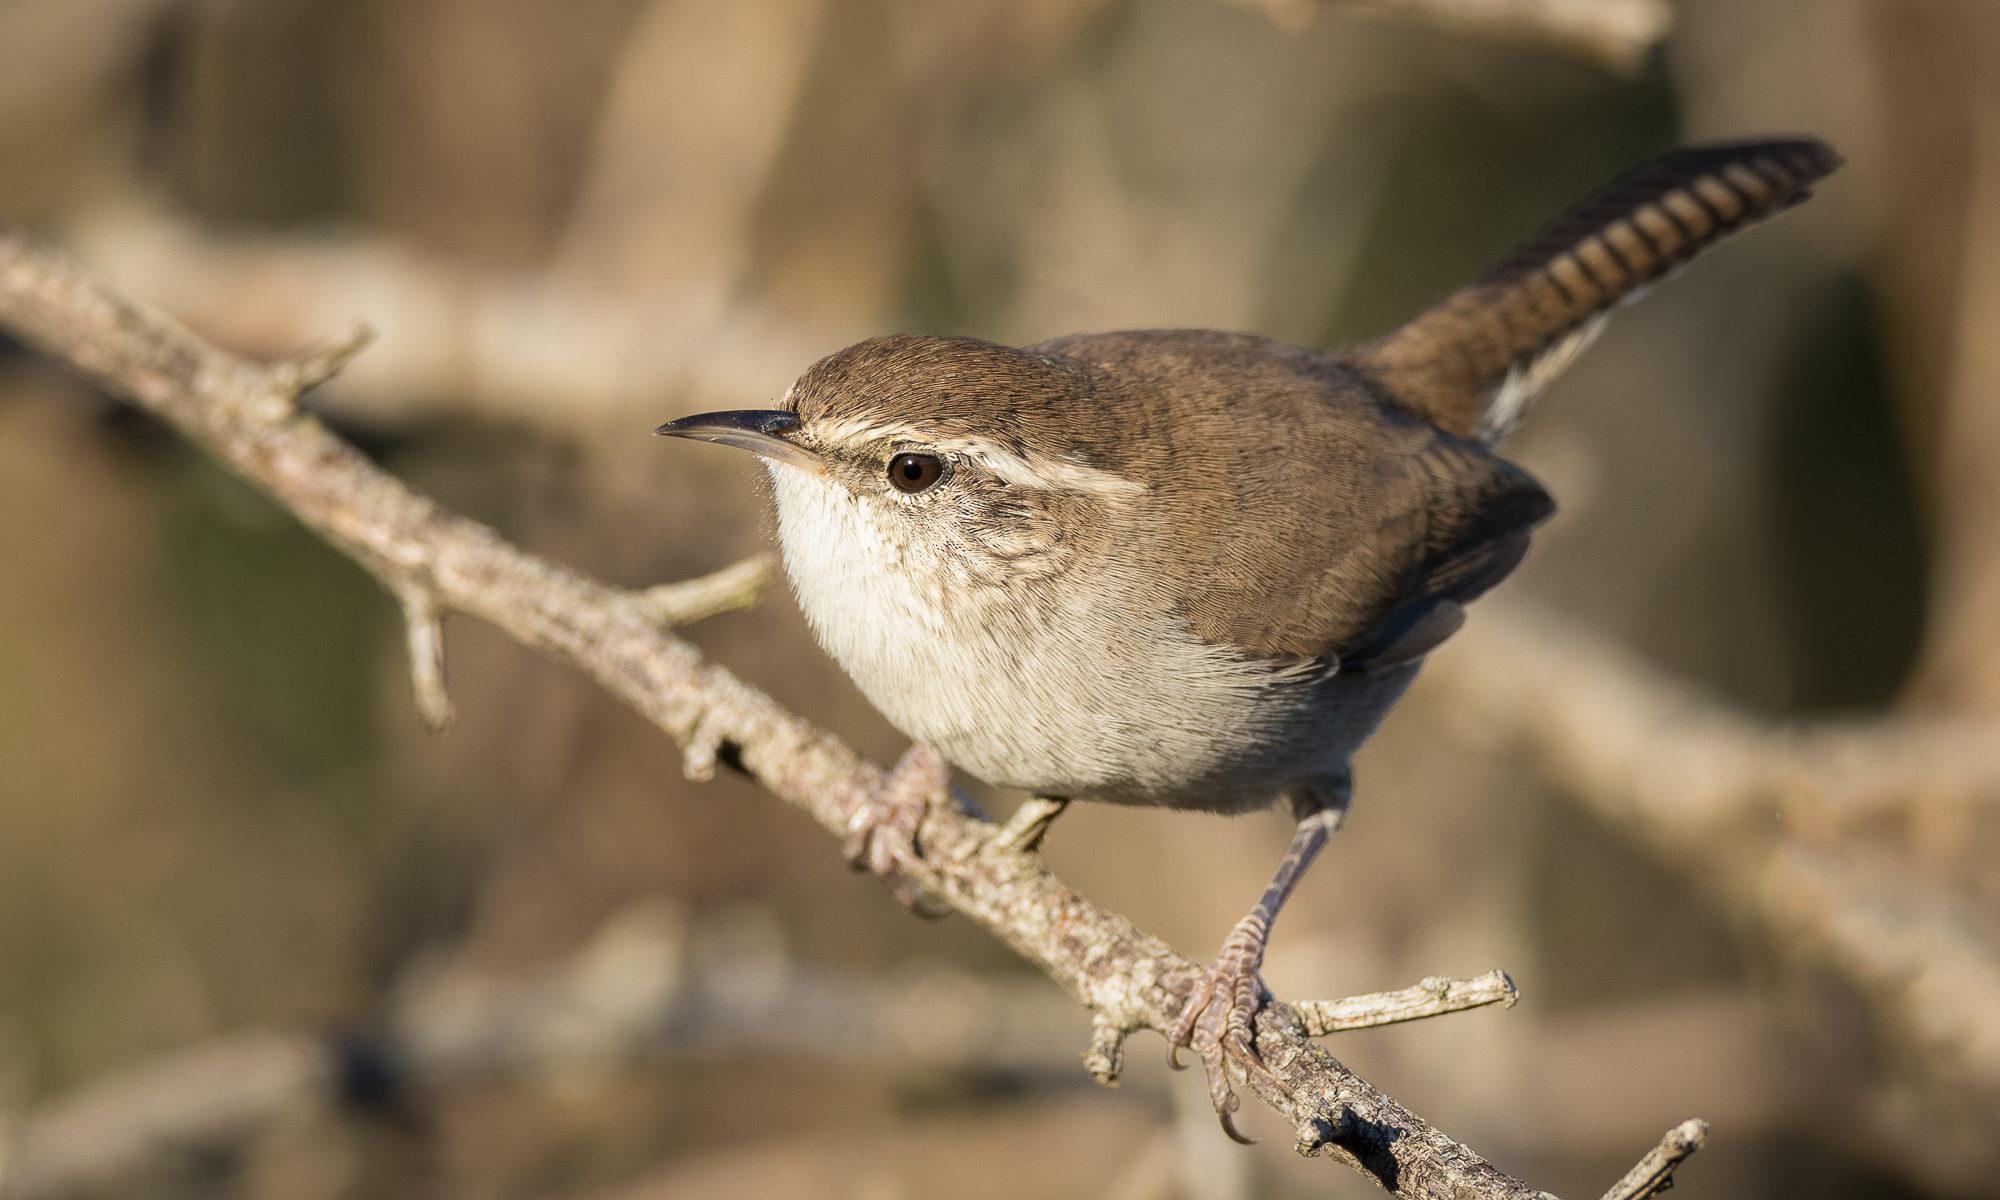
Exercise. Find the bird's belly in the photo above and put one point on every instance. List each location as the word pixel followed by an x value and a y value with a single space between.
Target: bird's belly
pixel 1099 704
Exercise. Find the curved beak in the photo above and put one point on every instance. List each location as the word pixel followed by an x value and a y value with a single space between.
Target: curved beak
pixel 760 431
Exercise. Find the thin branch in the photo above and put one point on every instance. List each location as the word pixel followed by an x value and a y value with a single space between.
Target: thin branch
pixel 454 338
pixel 1615 35
pixel 736 586
pixel 1129 979
pixel 1431 997
pixel 1655 1172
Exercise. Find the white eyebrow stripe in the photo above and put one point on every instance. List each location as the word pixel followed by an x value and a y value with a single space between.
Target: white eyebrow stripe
pixel 1043 474
pixel 1049 474
pixel 846 430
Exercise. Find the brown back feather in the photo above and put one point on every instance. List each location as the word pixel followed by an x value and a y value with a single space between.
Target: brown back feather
pixel 1447 365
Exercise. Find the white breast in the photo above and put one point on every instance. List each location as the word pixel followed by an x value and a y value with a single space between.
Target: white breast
pixel 1101 698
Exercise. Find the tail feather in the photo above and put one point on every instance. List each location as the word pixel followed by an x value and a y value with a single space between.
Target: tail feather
pixel 1471 364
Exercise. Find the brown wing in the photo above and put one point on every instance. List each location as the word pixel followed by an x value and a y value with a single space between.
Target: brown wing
pixel 1449 522
pixel 1297 513
pixel 1470 364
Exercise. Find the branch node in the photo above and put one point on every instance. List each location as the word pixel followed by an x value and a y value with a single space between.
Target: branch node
pixel 1655 1172
pixel 423 627
pixel 324 361
pixel 1105 1060
pixel 704 746
pixel 1433 997
pixel 1024 830
pixel 739 585
pixel 1321 1130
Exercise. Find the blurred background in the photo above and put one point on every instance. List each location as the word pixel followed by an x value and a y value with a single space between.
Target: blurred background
pixel 262 936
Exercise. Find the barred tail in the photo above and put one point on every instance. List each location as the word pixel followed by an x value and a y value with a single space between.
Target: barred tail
pixel 1471 364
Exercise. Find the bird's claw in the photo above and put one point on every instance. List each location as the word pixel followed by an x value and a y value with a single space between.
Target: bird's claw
pixel 882 833
pixel 1215 1023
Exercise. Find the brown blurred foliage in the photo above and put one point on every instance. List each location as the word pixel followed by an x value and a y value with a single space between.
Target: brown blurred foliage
pixel 574 221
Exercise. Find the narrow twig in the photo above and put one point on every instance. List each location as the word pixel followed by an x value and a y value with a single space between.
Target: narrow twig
pixel 423 634
pixel 739 585
pixel 1655 1172
pixel 1128 978
pixel 1432 997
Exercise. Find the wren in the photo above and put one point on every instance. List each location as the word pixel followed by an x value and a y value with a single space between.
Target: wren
pixel 1195 569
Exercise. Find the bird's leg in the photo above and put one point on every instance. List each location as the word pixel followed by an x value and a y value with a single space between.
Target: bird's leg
pixel 1224 999
pixel 882 833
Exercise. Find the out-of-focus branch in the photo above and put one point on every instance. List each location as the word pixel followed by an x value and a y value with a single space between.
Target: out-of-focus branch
pixel 538 349
pixel 1757 811
pixel 245 414
pixel 1615 35
pixel 648 988
pixel 642 990
pixel 216 1096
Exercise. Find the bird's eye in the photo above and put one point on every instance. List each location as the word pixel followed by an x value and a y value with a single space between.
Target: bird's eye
pixel 913 473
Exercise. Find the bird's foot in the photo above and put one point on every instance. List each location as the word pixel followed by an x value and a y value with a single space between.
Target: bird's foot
pixel 882 834
pixel 1216 1021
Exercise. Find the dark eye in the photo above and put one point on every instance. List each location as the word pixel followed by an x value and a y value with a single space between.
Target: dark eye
pixel 913 473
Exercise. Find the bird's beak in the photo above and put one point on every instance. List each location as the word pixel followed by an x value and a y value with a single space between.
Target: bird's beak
pixel 760 431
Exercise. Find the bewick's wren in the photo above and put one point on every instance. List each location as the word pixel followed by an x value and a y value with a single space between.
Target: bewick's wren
pixel 1194 569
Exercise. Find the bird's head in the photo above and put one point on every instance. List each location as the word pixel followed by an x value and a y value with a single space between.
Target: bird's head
pixel 961 456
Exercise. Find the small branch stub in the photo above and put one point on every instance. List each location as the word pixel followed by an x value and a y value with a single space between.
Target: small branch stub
pixel 325 360
pixel 1655 1172
pixel 1024 831
pixel 423 627
pixel 1105 1060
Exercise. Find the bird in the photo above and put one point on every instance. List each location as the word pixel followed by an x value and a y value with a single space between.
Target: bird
pixel 1195 569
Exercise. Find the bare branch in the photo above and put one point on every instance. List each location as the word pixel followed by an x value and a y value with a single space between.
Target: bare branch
pixel 215 1095
pixel 1431 997
pixel 1685 765
pixel 1655 1172
pixel 1615 35
pixel 452 337
pixel 1128 978
pixel 642 990
pixel 1929 964
pixel 1701 781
